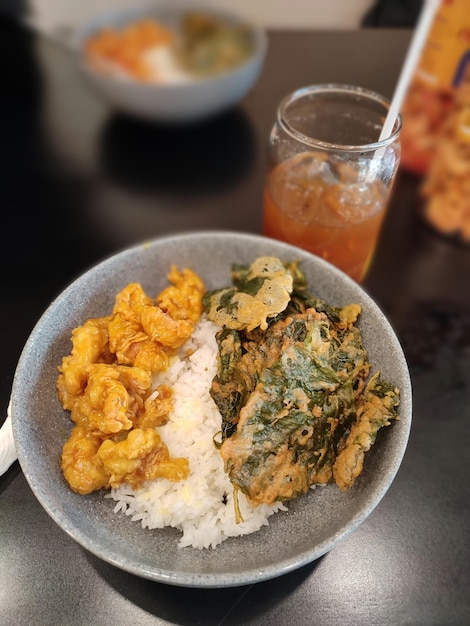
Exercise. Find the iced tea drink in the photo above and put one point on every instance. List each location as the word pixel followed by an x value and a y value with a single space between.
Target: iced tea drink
pixel 328 181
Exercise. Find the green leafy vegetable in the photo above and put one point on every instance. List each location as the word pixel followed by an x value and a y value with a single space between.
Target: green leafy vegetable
pixel 291 390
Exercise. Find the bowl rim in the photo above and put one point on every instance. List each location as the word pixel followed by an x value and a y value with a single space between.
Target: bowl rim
pixel 212 580
pixel 127 15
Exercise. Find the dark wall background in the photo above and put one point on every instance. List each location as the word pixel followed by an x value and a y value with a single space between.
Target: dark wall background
pixel 393 14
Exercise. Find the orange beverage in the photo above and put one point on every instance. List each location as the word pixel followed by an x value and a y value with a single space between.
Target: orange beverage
pixel 329 174
pixel 338 218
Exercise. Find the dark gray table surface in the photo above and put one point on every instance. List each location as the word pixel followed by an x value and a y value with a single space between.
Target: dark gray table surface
pixel 80 182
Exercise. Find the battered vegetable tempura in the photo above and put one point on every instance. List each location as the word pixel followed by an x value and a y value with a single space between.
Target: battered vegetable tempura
pixel 266 288
pixel 106 384
pixel 296 409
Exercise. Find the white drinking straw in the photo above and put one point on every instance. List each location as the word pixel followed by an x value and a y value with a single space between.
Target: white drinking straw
pixel 412 56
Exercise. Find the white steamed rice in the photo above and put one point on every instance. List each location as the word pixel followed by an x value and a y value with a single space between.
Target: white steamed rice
pixel 202 505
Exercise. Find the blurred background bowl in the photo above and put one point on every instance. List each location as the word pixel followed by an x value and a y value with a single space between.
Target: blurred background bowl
pixel 172 102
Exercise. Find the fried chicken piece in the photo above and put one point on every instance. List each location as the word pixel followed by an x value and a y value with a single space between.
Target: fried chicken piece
pixel 143 333
pixel 89 463
pixel 142 456
pixel 133 346
pixel 157 408
pixel 106 385
pixel 130 301
pixel 81 465
pixel 127 338
pixel 161 328
pixel 113 397
pixel 90 345
pixel 379 408
pixel 183 299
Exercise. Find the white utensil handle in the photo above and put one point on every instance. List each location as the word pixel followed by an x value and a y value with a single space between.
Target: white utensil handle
pixel 7 445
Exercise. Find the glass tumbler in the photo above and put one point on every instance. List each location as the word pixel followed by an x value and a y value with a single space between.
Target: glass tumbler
pixel 329 177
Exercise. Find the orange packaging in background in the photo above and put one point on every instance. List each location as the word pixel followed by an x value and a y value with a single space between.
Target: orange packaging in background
pixel 446 187
pixel 444 62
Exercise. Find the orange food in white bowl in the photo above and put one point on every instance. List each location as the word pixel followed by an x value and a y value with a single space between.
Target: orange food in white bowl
pixel 168 64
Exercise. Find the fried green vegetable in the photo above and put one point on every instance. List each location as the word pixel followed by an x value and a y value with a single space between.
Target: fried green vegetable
pixel 260 291
pixel 295 407
pixel 379 407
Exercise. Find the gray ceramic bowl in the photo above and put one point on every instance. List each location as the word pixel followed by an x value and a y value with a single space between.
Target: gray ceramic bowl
pixel 175 103
pixel 314 524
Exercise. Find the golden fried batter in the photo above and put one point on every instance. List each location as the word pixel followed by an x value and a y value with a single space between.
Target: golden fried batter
pixel 242 308
pixel 182 300
pixel 156 408
pixel 90 345
pixel 88 463
pixel 144 333
pixel 378 410
pixel 106 382
pixel 142 456
pixel 127 337
pixel 81 465
pixel 113 397
pixel 295 407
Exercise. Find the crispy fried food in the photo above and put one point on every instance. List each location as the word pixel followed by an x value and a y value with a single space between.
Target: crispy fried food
pixel 260 292
pixel 379 408
pixel 89 463
pixel 140 457
pixel 81 465
pixel 302 397
pixel 157 407
pixel 159 326
pixel 127 337
pixel 90 344
pixel 144 333
pixel 106 384
pixel 112 399
pixel 183 299
pixel 290 394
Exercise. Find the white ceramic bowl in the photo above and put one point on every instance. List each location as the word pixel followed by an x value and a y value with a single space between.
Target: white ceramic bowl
pixel 179 102
pixel 314 524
